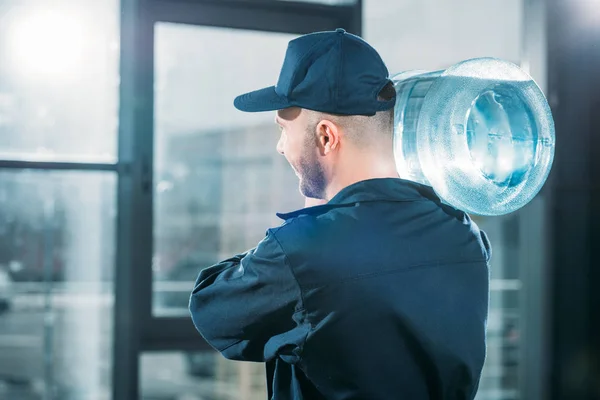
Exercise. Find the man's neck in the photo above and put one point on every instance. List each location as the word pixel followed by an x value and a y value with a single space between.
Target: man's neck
pixel 368 168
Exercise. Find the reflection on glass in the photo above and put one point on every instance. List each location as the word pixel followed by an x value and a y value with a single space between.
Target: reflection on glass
pixel 218 177
pixel 56 274
pixel 59 80
pixel 200 376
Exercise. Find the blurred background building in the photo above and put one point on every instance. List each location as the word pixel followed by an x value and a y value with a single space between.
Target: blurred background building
pixel 125 169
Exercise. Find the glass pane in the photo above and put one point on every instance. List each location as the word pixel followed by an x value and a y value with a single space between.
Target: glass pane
pixel 219 179
pixel 500 376
pixel 59 81
pixel 56 276
pixel 200 376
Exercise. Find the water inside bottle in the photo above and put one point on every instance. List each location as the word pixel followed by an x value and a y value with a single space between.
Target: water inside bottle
pixel 502 136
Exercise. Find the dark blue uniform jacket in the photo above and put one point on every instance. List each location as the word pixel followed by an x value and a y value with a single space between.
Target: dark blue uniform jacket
pixel 380 294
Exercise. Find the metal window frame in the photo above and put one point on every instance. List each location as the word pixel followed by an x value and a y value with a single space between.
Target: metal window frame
pixel 135 328
pixel 59 165
pixel 534 232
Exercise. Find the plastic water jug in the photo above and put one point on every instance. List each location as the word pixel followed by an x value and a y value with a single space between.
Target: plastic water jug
pixel 480 133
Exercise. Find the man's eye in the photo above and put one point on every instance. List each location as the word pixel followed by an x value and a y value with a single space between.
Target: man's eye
pixel 280 128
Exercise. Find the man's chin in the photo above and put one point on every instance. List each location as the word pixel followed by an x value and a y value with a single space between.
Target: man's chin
pixel 307 191
pixel 302 187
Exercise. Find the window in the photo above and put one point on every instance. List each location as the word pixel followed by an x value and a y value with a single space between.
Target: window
pixel 59 64
pixel 56 283
pixel 219 179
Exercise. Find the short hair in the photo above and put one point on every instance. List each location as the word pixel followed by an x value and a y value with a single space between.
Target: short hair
pixel 361 129
pixel 385 119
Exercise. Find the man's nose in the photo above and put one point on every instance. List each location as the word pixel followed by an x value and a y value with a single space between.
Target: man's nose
pixel 280 146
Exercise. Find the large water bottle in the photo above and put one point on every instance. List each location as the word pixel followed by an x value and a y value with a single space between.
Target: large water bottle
pixel 480 133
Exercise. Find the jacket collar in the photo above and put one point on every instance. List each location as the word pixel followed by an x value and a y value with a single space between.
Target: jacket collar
pixel 377 189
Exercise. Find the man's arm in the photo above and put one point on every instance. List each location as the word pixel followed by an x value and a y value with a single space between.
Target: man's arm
pixel 244 306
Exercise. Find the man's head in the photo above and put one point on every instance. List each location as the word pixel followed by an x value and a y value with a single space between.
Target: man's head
pixel 317 144
pixel 334 103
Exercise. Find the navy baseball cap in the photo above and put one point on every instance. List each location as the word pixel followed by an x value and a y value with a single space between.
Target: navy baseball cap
pixel 334 72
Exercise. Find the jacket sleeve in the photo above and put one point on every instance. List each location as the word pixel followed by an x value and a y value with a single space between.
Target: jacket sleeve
pixel 245 306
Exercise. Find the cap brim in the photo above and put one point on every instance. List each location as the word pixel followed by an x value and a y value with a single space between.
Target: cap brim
pixel 265 99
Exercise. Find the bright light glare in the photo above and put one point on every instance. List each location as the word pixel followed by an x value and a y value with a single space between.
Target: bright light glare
pixel 589 11
pixel 47 43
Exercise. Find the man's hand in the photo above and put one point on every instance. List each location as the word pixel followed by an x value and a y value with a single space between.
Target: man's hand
pixel 310 202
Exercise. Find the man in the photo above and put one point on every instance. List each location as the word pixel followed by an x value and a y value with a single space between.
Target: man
pixel 376 291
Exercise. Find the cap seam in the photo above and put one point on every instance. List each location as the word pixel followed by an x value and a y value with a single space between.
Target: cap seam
pixel 375 53
pixel 339 72
pixel 378 105
pixel 306 54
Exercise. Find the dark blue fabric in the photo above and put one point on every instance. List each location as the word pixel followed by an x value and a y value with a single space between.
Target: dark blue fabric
pixel 380 294
pixel 334 72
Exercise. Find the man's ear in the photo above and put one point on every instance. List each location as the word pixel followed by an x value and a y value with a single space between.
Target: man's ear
pixel 328 136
